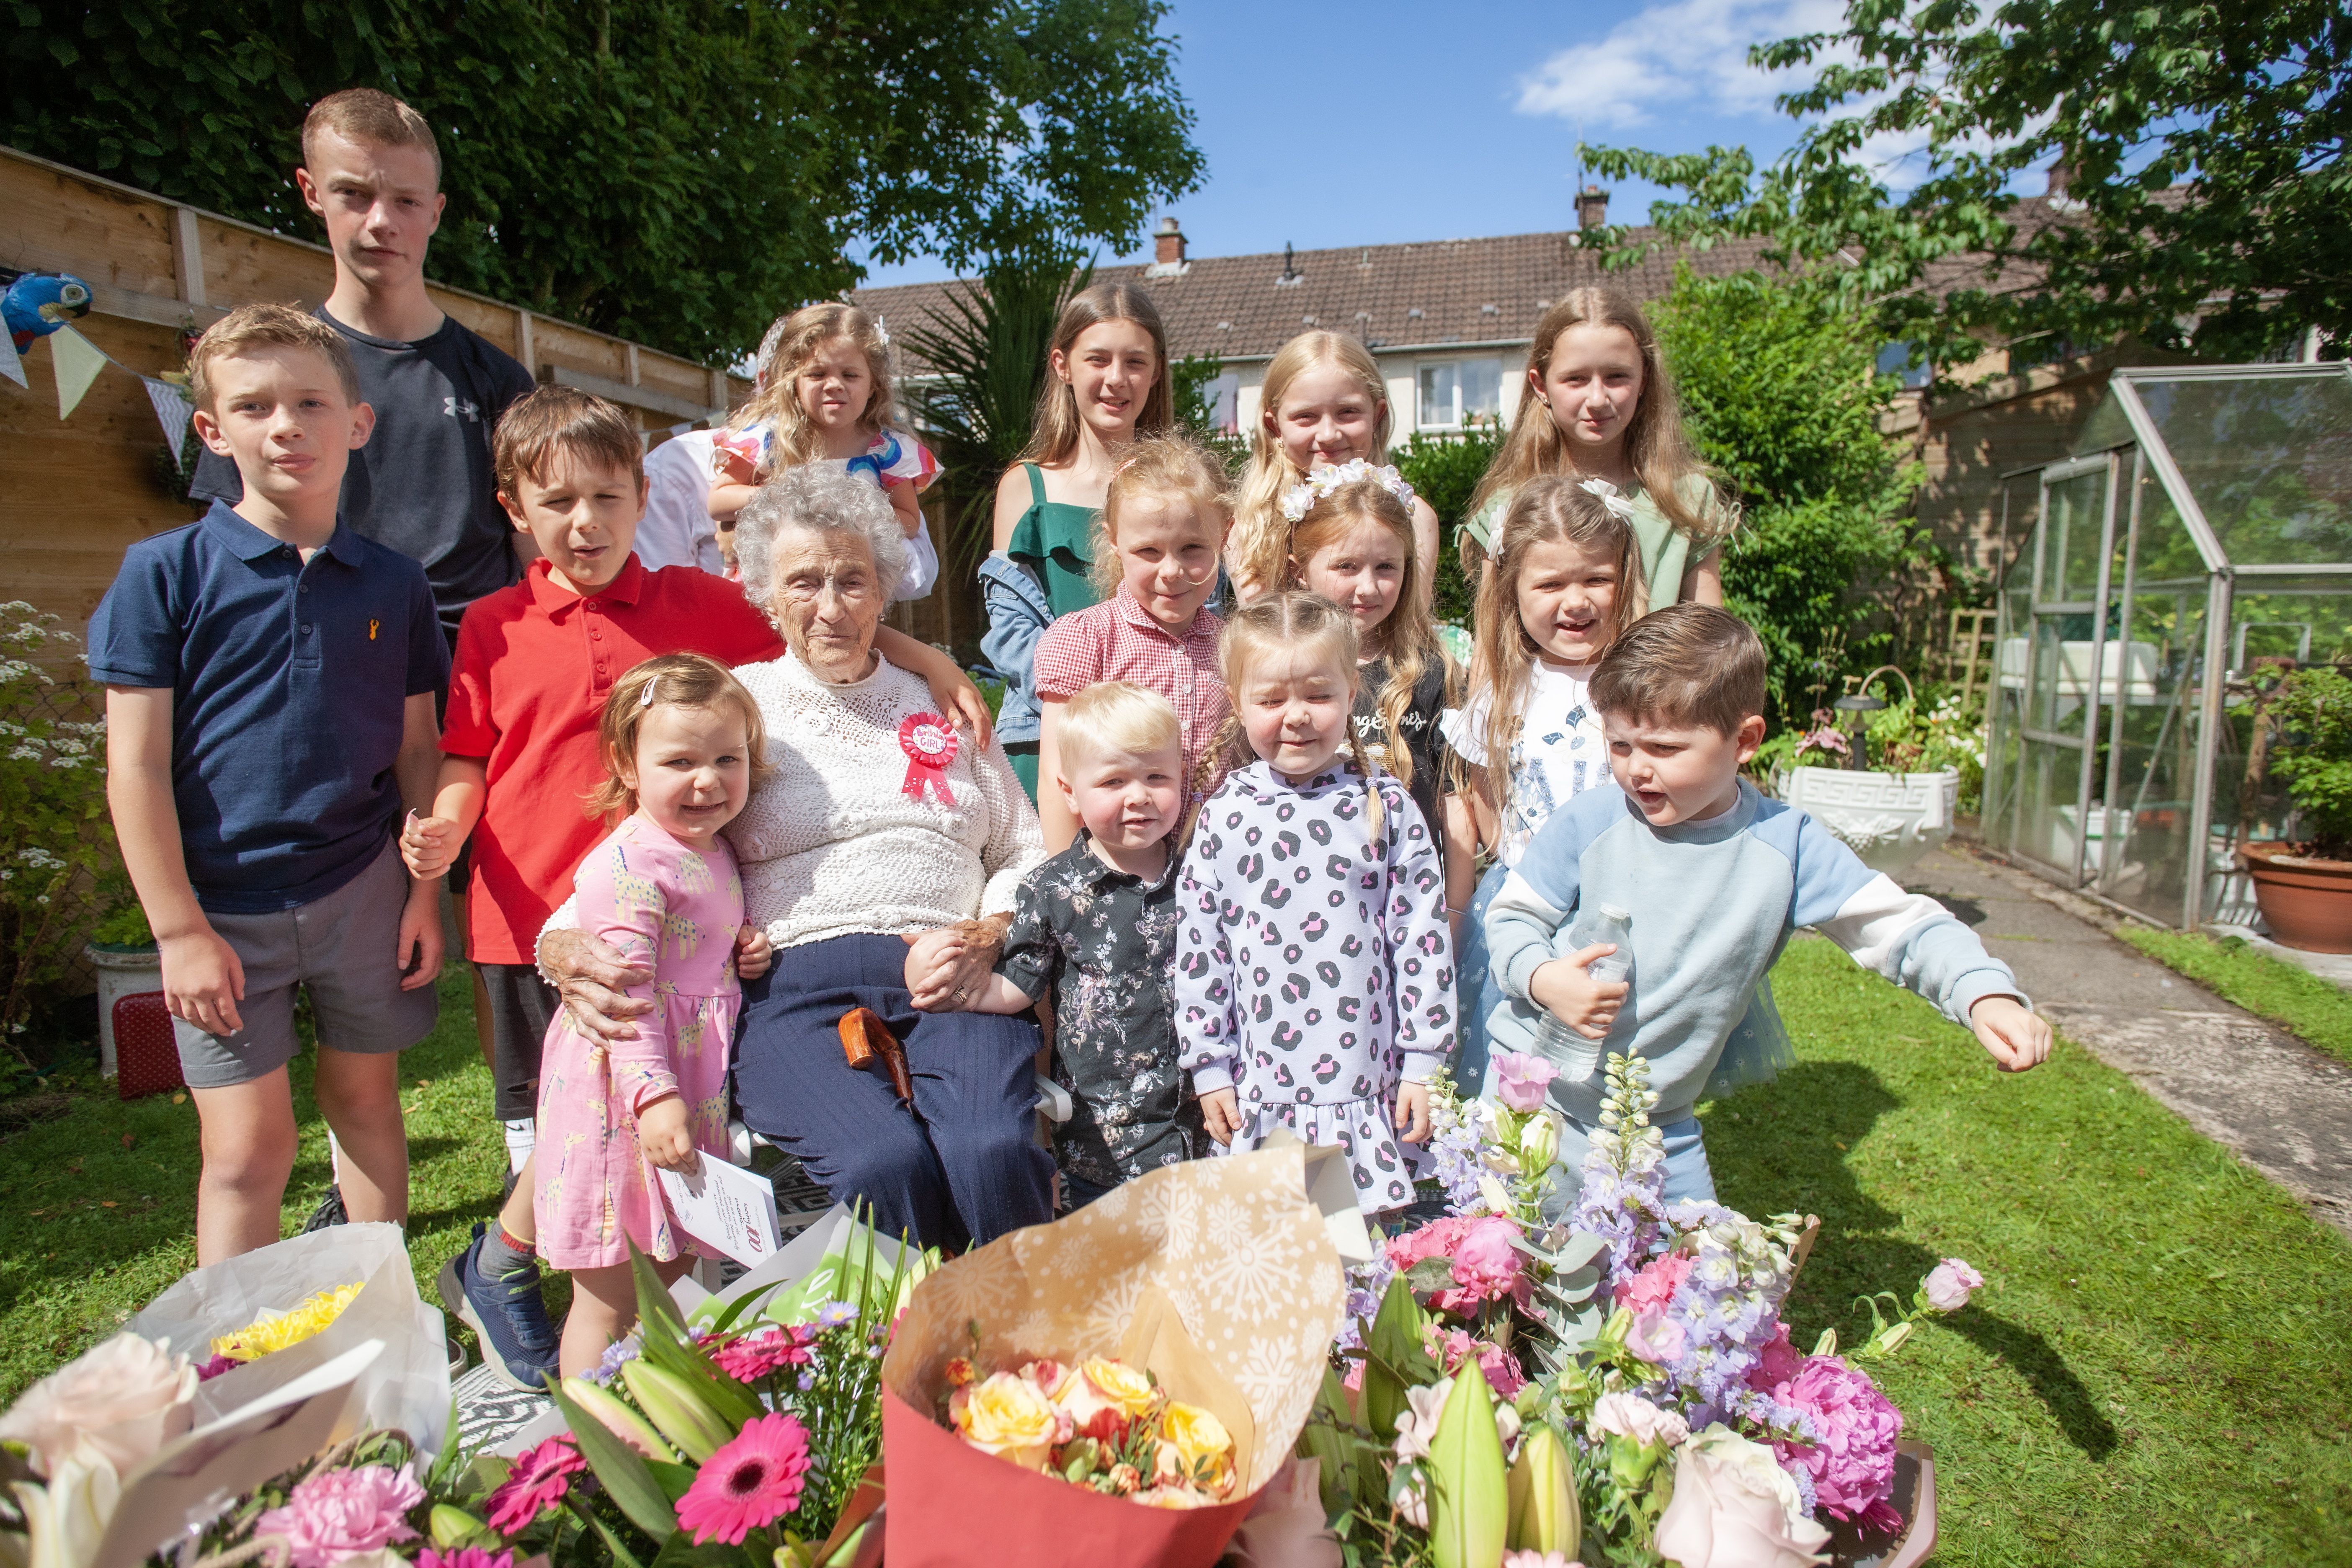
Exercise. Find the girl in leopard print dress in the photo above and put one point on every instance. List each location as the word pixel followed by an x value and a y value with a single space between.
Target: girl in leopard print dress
pixel 1313 981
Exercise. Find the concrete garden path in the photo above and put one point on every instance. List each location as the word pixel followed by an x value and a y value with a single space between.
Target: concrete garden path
pixel 2249 1085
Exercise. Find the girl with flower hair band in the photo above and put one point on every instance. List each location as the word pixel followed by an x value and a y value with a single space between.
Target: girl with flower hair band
pixel 1323 405
pixel 1353 539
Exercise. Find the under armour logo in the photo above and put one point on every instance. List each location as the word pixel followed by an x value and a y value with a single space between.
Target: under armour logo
pixel 372 624
pixel 456 409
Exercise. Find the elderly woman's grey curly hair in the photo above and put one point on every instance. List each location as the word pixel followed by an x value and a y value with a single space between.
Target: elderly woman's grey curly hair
pixel 822 499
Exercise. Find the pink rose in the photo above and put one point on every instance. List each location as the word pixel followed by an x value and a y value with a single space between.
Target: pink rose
pixel 1487 1266
pixel 1948 1285
pixel 1655 1286
pixel 1631 1416
pixel 1656 1339
pixel 116 1403
pixel 1735 1508
pixel 1520 1080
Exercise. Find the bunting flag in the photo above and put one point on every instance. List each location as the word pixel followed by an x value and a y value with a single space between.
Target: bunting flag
pixel 10 365
pixel 79 361
pixel 172 412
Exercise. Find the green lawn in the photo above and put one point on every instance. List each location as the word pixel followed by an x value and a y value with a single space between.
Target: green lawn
pixel 97 1209
pixel 2314 1010
pixel 2157 1371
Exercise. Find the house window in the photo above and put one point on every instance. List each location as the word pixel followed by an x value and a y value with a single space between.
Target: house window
pixel 1894 359
pixel 1455 391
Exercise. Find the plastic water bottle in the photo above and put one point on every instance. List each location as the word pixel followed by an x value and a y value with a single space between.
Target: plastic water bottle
pixel 1576 1057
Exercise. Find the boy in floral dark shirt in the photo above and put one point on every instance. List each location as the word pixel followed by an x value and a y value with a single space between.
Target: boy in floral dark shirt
pixel 1095 928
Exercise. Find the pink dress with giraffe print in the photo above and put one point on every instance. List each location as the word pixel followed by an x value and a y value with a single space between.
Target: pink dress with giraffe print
pixel 675 910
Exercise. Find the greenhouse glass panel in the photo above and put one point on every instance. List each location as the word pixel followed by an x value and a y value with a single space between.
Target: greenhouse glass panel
pixel 2268 460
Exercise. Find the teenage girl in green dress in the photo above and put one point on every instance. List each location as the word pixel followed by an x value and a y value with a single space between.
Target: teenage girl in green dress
pixel 1598 406
pixel 1108 382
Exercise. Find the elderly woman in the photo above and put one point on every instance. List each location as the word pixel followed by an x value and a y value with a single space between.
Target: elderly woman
pixel 882 858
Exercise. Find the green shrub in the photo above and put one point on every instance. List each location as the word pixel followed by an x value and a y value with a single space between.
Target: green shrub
pixel 1443 471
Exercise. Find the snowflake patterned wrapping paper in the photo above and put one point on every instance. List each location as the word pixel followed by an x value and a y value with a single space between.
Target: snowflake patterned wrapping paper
pixel 1244 1255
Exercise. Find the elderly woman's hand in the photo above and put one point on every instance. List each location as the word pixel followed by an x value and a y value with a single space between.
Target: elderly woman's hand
pixel 947 969
pixel 594 980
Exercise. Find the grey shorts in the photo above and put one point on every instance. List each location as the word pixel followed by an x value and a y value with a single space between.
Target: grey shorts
pixel 341 950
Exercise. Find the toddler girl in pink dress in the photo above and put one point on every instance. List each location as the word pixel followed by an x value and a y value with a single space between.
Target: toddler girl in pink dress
pixel 682 741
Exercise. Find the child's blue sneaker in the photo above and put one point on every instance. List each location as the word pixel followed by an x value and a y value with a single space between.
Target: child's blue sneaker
pixel 506 1314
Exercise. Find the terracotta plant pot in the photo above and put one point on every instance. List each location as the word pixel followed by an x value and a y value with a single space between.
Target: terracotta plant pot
pixel 2306 903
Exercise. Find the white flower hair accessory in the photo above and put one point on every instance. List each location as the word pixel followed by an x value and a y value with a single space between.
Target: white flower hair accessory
pixel 1300 498
pixel 1618 507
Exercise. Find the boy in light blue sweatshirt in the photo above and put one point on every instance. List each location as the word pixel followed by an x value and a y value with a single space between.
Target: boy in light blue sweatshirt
pixel 1715 878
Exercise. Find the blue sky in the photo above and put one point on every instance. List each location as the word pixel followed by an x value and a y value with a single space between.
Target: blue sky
pixel 1384 122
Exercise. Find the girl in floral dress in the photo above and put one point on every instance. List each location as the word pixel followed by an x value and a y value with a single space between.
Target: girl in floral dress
pixel 681 740
pixel 1313 981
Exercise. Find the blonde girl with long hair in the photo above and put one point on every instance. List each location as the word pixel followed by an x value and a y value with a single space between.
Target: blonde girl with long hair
pixel 1323 405
pixel 1313 981
pixel 1354 541
pixel 826 396
pixel 1108 382
pixel 1565 581
pixel 1598 405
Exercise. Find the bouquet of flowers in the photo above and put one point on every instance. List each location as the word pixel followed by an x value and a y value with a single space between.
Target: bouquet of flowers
pixel 1669 1417
pixel 1100 1422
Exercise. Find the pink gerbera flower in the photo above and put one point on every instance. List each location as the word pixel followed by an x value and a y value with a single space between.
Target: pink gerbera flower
pixel 749 1483
pixel 541 1479
pixel 341 1513
pixel 756 1356
pixel 464 1557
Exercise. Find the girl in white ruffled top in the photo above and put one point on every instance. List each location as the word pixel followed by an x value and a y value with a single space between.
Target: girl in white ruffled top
pixel 1314 980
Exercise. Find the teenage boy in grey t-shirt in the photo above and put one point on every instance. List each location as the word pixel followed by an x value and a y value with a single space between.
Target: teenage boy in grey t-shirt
pixel 1716 877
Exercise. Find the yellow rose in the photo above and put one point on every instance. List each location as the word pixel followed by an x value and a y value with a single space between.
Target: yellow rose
pixel 1195 1449
pixel 1005 1415
pixel 1171 1497
pixel 1098 1384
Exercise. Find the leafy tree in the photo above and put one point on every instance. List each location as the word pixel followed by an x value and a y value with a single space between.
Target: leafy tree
pixel 2204 144
pixel 677 170
pixel 1780 393
pixel 986 351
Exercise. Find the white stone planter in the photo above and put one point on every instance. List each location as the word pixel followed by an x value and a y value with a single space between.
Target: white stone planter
pixel 120 974
pixel 1888 819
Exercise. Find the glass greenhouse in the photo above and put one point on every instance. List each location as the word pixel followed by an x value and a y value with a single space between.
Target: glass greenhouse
pixel 2202 526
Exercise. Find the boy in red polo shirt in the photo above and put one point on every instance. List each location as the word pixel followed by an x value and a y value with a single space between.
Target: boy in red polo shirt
pixel 534 664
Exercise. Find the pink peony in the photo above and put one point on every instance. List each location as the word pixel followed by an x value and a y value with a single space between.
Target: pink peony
pixel 1655 1286
pixel 1777 1362
pixel 759 1355
pixel 336 1514
pixel 1948 1285
pixel 1656 1339
pixel 541 1479
pixel 1520 1080
pixel 1853 1461
pixel 748 1484
pixel 1484 1266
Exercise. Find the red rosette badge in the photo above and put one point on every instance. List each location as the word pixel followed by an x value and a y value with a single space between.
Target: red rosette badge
pixel 930 746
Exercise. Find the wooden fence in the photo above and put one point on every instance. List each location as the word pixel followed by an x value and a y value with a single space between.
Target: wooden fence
pixel 74 493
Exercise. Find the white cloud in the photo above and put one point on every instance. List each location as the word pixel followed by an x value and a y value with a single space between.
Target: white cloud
pixel 1682 53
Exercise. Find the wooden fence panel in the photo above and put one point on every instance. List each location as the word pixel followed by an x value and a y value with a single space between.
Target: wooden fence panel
pixel 76 493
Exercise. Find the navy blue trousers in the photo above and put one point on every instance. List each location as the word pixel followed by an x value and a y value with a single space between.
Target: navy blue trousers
pixel 963 1165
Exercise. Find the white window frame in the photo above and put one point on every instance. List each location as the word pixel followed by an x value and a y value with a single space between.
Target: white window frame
pixel 1453 368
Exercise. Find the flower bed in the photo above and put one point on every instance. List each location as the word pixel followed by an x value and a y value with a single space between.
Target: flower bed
pixel 1537 1374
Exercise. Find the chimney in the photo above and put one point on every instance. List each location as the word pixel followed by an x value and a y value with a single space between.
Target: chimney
pixel 1591 207
pixel 1168 245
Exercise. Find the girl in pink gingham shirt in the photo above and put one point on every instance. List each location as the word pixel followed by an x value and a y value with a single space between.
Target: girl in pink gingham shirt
pixel 1164 522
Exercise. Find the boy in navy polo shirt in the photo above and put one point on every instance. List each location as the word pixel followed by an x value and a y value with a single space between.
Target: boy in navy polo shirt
pixel 269 691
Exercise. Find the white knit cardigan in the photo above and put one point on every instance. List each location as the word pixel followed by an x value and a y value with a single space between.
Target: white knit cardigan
pixel 830 845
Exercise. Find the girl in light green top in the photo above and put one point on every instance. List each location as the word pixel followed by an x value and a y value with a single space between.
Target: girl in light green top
pixel 1598 406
